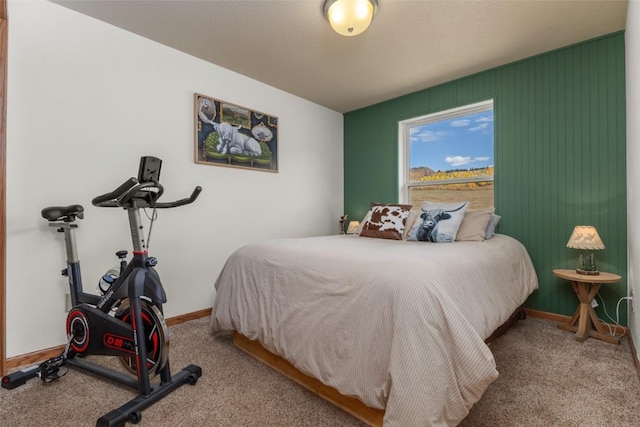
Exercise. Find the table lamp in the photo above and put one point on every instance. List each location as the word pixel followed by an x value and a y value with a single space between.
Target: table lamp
pixel 343 219
pixel 585 237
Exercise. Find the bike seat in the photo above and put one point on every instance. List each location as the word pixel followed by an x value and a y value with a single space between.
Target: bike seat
pixel 63 213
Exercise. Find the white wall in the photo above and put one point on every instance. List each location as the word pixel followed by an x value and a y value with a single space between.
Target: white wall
pixel 85 101
pixel 632 47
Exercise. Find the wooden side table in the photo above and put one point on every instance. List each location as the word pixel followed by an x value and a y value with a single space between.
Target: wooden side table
pixel 585 322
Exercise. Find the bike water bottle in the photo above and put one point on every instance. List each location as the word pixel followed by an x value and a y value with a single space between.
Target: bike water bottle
pixel 108 279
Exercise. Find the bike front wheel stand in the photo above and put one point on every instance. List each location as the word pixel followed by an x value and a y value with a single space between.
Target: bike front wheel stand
pixel 131 411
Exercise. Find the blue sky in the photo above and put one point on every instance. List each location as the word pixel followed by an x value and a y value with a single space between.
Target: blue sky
pixel 461 143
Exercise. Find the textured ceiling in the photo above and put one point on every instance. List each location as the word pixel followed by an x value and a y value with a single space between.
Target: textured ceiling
pixel 410 45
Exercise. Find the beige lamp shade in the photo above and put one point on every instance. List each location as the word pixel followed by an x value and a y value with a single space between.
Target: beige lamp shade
pixel 350 17
pixel 585 237
pixel 353 226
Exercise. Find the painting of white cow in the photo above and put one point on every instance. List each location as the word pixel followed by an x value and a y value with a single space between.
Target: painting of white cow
pixel 234 136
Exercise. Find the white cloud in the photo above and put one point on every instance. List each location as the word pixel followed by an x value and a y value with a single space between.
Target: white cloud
pixel 460 123
pixel 457 160
pixel 423 135
pixel 485 119
pixel 481 126
pixel 464 160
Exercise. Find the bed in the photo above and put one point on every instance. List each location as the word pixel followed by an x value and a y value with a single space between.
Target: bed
pixel 398 327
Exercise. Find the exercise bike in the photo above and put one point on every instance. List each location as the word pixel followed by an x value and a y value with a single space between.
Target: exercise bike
pixel 127 319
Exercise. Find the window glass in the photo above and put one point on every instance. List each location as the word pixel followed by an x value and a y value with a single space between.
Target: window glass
pixel 448 157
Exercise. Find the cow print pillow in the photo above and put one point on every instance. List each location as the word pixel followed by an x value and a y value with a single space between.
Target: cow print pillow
pixel 438 222
pixel 386 221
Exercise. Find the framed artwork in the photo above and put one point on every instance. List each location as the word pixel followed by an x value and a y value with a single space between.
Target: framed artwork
pixel 230 135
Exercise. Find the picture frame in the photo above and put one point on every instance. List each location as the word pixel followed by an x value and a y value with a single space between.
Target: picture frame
pixel 230 135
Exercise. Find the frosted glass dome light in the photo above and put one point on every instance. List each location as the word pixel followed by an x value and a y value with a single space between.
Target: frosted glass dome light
pixel 350 17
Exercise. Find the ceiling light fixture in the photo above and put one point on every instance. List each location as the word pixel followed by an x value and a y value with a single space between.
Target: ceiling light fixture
pixel 350 17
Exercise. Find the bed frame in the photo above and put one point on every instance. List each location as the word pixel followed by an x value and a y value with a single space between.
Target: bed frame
pixel 371 416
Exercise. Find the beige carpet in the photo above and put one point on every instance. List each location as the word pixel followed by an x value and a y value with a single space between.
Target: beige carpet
pixel 546 379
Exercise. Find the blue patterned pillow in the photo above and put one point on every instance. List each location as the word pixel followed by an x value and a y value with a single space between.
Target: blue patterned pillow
pixel 438 222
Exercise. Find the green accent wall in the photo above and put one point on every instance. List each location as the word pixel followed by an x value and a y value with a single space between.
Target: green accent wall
pixel 560 157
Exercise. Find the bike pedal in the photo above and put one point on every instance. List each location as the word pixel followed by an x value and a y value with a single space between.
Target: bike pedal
pixel 50 375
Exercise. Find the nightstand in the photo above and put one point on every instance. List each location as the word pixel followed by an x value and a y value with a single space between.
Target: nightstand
pixel 585 322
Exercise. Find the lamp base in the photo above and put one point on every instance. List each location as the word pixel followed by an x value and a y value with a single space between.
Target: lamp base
pixel 587 273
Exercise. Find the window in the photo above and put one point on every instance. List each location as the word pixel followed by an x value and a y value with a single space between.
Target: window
pixel 448 157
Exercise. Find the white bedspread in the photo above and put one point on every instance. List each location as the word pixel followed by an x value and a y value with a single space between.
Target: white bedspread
pixel 399 325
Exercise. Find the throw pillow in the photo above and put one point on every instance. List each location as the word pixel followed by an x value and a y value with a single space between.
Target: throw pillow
pixel 438 222
pixel 474 226
pixel 386 221
pixel 411 219
pixel 491 228
pixel 364 220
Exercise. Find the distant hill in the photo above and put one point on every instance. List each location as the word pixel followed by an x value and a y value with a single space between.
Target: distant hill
pixel 415 174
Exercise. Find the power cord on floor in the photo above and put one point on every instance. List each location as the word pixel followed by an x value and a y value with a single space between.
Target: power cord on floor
pixel 604 307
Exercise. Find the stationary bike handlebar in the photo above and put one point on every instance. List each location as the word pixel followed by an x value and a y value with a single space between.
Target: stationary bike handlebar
pixel 108 200
pixel 192 198
pixel 145 194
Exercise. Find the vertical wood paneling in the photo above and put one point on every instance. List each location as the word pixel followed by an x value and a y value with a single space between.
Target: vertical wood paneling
pixel 559 155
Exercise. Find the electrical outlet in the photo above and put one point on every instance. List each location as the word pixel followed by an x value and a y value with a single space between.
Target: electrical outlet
pixel 594 303
pixel 631 300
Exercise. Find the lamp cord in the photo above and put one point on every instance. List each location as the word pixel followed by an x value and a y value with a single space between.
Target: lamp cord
pixel 604 307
